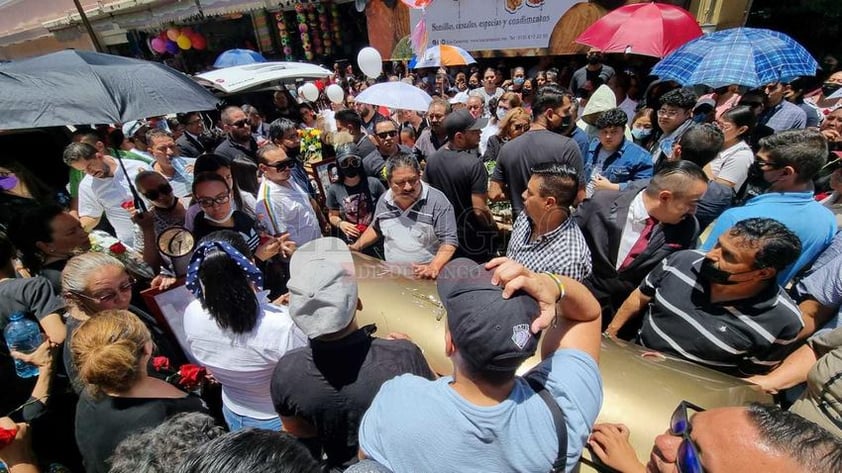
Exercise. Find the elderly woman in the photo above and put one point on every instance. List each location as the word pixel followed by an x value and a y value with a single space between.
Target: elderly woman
pixel 112 352
pixel 94 282
pixel 513 124
pixel 235 331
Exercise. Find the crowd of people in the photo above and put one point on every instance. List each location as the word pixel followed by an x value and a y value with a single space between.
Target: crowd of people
pixel 551 208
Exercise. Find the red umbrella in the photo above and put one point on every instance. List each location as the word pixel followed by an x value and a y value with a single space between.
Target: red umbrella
pixel 650 29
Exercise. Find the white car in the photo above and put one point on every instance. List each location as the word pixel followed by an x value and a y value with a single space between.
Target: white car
pixel 258 76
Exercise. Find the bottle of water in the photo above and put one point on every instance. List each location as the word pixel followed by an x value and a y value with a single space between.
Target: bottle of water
pixel 24 336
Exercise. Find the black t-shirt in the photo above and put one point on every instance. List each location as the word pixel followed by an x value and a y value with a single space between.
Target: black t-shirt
pixel 36 298
pixel 101 424
pixel 355 203
pixel 459 175
pixel 520 155
pixel 332 384
pixel 243 224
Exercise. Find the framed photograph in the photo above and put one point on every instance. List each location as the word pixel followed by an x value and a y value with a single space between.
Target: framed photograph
pixel 324 173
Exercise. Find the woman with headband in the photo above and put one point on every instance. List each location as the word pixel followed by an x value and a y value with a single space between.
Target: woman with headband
pixel 234 331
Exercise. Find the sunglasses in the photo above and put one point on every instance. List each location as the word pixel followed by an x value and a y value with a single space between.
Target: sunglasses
pixel 282 165
pixel 154 194
pixel 352 162
pixel 387 134
pixel 688 459
pixel 109 296
pixel 521 127
pixel 241 123
pixel 208 202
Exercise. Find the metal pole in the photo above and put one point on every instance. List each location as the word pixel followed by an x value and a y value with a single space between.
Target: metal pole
pixel 94 39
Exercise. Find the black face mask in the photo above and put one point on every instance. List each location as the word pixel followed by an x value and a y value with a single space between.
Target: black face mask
pixel 755 178
pixel 351 172
pixel 828 88
pixel 565 124
pixel 715 275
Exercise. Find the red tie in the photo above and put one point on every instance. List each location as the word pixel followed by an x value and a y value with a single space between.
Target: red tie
pixel 641 243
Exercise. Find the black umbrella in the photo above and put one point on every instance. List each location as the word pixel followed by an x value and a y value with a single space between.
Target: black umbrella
pixel 77 87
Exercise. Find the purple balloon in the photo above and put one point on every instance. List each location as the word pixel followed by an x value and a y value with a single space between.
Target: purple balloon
pixel 159 45
pixel 172 47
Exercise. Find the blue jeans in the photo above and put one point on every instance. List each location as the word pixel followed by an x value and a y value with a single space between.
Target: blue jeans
pixel 237 422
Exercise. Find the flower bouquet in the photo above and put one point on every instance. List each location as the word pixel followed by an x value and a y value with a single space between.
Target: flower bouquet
pixel 189 377
pixel 102 242
pixel 311 144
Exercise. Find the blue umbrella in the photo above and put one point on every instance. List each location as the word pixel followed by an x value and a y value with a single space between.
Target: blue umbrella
pixel 238 57
pixel 745 56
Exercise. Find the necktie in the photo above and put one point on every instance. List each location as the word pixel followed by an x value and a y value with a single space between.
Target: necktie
pixel 640 244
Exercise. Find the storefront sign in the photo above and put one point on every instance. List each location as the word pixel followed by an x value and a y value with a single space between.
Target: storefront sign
pixel 493 24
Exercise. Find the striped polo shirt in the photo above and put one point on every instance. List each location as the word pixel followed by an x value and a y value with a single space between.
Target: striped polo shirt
pixel 744 337
pixel 414 235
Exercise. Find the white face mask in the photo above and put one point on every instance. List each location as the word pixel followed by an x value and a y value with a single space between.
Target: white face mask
pixel 222 220
pixel 501 112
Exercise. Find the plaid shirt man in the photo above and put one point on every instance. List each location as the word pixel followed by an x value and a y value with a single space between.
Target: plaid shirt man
pixel 561 251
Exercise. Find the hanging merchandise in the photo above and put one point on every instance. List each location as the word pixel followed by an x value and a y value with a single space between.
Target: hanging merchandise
pixel 324 27
pixel 318 50
pixel 286 39
pixel 337 32
pixel 420 35
pixel 303 29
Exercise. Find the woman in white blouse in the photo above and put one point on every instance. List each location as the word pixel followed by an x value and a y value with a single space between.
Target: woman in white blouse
pixel 234 331
pixel 731 166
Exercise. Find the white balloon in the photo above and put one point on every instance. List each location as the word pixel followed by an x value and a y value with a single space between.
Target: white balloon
pixel 310 91
pixel 370 62
pixel 335 93
pixel 300 92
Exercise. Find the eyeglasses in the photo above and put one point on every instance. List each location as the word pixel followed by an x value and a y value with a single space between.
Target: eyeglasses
pixel 241 123
pixel 208 202
pixel 765 164
pixel 107 297
pixel 688 460
pixel 154 194
pixel 521 127
pixel 387 134
pixel 352 162
pixel 282 165
pixel 662 112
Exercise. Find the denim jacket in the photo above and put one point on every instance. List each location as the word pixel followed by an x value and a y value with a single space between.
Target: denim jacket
pixel 629 163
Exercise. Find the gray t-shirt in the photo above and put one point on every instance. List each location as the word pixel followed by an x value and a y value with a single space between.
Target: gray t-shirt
pixel 354 204
pixel 35 297
pixel 520 155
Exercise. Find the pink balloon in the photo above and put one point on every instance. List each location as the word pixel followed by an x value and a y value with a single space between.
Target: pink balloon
pixel 159 45
pixel 417 4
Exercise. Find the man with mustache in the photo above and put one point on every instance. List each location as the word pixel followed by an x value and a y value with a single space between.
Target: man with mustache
pixel 435 135
pixel 415 220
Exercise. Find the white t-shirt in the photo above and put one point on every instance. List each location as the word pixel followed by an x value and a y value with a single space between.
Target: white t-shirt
pixel 732 164
pixel 105 195
pixel 244 363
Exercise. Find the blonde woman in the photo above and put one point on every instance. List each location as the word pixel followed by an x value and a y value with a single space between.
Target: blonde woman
pixel 112 351
pixel 513 124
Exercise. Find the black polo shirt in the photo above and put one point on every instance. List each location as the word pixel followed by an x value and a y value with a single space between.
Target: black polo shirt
pixel 745 337
pixel 332 384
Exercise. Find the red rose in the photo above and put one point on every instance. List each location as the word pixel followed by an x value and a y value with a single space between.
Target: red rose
pixel 161 363
pixel 128 204
pixel 117 248
pixel 7 436
pixel 191 375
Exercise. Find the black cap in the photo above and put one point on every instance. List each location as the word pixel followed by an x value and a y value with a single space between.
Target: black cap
pixel 346 151
pixel 490 332
pixel 462 120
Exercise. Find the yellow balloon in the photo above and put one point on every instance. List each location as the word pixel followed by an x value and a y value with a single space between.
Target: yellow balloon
pixel 184 42
pixel 173 34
